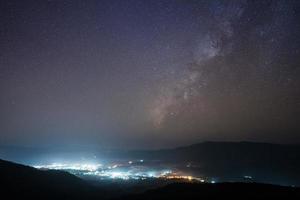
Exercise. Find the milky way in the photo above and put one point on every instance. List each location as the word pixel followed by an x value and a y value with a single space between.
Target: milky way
pixel 149 74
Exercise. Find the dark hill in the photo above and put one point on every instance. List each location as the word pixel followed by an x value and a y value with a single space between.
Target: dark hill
pixel 19 181
pixel 220 190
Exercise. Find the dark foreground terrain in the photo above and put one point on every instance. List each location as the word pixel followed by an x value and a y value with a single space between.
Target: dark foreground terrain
pixel 219 190
pixel 20 182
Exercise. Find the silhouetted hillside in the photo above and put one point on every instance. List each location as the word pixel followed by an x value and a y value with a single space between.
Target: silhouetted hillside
pixel 221 190
pixel 19 181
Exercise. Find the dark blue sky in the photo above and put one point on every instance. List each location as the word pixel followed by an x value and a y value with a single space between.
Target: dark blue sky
pixel 148 74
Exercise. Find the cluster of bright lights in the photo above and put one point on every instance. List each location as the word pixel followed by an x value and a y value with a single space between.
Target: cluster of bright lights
pixel 179 177
pixel 117 171
pixel 129 174
pixel 111 174
pixel 189 178
pixel 70 166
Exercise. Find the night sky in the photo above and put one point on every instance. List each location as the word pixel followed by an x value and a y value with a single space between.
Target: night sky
pixel 148 74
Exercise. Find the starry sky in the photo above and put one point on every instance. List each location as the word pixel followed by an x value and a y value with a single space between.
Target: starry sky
pixel 148 74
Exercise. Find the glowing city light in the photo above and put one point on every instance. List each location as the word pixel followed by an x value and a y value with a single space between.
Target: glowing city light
pixel 69 166
pixel 124 171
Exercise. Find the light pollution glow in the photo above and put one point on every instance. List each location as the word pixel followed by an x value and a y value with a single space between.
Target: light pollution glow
pixel 117 171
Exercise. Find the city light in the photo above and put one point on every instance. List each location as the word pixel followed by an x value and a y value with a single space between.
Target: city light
pixel 69 166
pixel 120 170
